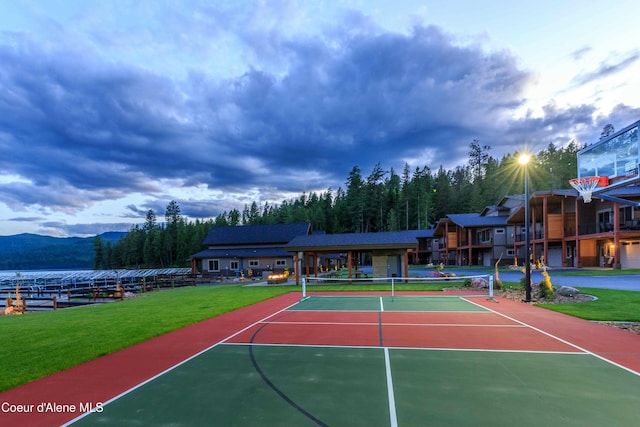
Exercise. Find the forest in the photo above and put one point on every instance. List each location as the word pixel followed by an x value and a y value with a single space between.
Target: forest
pixel 383 200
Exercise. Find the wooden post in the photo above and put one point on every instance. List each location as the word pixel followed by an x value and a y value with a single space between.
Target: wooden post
pixel 406 265
pixel 616 236
pixel 314 256
pixel 306 264
pixel 578 262
pixel 470 249
pixel 545 230
pixel 563 215
pixel 55 302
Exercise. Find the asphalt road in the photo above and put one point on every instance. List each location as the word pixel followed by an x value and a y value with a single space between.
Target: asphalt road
pixel 626 283
pixel 596 280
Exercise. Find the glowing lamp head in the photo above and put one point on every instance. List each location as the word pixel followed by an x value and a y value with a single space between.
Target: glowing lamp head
pixel 524 159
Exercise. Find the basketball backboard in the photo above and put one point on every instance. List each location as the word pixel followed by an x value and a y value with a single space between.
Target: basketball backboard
pixel 616 157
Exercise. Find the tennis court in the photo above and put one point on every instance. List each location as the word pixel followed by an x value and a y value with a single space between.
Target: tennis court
pixel 375 360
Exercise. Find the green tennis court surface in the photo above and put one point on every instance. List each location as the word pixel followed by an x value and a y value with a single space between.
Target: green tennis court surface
pixel 240 383
pixel 387 303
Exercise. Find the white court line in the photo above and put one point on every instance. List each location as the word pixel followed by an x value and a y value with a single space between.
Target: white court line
pixel 563 341
pixel 377 347
pixel 171 368
pixel 466 325
pixel 392 400
pixel 389 311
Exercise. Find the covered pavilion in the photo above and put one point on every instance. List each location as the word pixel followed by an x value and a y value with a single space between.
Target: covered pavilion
pixel 390 251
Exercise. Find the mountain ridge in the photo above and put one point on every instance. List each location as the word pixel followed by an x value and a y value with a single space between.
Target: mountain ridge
pixel 28 251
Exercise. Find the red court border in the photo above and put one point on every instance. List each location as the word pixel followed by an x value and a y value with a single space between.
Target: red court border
pixel 104 378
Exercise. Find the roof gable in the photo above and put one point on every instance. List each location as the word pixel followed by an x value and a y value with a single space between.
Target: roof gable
pixel 352 241
pixel 477 220
pixel 256 234
pixel 472 220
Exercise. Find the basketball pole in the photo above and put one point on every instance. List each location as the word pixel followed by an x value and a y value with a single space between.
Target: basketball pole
pixel 524 160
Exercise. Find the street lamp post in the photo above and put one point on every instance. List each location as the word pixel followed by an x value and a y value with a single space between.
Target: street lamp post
pixel 524 160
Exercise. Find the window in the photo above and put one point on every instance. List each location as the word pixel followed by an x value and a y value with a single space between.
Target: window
pixel 214 265
pixel 254 263
pixel 605 222
pixel 510 252
pixel 499 230
pixel 234 265
pixel 626 215
pixel 281 263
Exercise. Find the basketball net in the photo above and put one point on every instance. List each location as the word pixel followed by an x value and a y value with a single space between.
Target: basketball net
pixel 586 184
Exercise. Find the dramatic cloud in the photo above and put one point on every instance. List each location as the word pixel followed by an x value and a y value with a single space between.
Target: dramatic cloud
pixel 247 104
pixel 607 69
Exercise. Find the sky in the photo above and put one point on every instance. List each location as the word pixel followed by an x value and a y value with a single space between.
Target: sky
pixel 111 108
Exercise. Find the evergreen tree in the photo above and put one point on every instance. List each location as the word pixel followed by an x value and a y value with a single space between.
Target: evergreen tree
pixel 384 201
pixel 172 216
pixel 98 250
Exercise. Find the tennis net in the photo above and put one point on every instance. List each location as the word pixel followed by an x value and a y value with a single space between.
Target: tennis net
pixel 483 284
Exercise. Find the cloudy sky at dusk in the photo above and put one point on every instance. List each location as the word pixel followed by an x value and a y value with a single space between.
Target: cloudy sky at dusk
pixel 111 108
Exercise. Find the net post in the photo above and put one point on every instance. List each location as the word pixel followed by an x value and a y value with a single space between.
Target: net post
pixel 304 288
pixel 491 286
pixel 393 289
pixel 491 289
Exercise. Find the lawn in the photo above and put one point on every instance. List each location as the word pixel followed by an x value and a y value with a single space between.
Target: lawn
pixel 611 305
pixel 38 344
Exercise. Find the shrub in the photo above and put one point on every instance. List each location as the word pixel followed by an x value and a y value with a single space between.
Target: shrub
pixel 523 282
pixel 545 288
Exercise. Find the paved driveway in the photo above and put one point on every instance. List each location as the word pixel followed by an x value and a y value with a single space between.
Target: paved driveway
pixel 626 283
pixel 595 280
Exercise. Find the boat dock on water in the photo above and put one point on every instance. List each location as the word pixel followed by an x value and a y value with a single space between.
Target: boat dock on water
pixel 51 290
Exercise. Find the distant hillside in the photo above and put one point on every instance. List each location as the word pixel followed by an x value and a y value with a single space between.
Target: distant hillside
pixel 35 252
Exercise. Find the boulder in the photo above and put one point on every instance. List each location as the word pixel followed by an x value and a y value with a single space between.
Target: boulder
pixel 479 282
pixel 568 291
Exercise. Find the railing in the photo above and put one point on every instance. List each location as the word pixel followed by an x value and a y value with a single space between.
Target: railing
pixel 521 237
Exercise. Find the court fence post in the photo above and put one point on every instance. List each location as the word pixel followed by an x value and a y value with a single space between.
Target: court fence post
pixel 491 288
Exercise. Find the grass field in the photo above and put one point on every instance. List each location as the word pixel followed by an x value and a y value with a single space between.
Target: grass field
pixel 39 344
pixel 43 343
pixel 610 305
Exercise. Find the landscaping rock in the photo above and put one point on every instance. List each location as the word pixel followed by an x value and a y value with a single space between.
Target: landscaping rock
pixel 568 291
pixel 479 283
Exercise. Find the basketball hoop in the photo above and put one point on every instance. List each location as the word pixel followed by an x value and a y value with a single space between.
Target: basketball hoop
pixel 586 184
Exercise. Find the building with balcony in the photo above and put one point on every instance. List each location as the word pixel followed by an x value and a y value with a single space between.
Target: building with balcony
pixel 564 231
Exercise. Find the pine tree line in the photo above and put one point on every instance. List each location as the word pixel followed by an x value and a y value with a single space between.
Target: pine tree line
pixel 381 201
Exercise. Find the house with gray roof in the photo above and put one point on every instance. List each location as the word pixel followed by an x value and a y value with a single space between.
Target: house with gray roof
pixel 427 251
pixel 390 251
pixel 259 248
pixel 478 238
